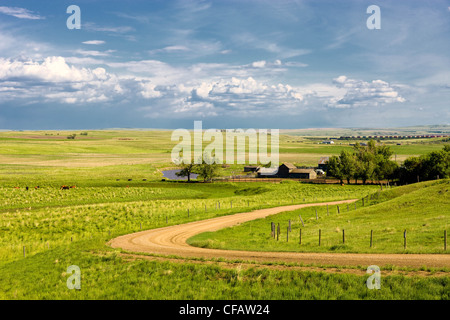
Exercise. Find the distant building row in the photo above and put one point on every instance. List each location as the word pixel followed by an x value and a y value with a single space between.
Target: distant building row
pixel 394 137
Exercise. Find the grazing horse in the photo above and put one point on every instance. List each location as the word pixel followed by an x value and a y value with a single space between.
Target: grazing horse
pixel 73 187
pixel 64 187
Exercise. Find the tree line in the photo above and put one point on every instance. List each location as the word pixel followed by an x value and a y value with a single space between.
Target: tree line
pixel 372 162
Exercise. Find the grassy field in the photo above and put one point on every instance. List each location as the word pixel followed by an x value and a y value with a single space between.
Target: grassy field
pixel 49 217
pixel 58 228
pixel 420 209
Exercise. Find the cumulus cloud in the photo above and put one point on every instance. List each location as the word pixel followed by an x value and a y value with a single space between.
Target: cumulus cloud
pixel 20 13
pixel 157 89
pixel 53 79
pixel 359 93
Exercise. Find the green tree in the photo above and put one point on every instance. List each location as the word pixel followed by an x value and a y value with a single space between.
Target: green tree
pixel 208 169
pixel 334 168
pixel 347 163
pixel 186 170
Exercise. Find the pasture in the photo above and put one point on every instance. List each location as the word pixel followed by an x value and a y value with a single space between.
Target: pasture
pixel 117 174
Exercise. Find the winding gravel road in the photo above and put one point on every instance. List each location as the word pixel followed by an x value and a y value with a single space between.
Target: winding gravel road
pixel 172 241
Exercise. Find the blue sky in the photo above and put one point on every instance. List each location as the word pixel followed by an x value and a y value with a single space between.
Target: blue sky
pixel 248 64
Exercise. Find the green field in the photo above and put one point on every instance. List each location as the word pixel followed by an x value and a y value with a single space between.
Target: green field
pixel 420 209
pixel 45 230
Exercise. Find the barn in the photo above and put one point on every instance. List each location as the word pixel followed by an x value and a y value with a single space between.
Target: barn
pixel 285 169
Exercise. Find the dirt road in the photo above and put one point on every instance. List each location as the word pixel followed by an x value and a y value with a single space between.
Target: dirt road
pixel 172 241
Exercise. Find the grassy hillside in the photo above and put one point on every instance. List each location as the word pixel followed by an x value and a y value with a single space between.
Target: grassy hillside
pixel 423 210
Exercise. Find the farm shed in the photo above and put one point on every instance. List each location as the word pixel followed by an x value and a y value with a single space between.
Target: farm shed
pixel 267 172
pixel 251 168
pixel 303 174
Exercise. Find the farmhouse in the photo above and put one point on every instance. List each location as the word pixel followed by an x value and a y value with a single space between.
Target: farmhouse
pixel 328 142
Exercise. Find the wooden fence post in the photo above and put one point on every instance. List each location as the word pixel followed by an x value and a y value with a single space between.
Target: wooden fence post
pixel 300 236
pixel 290 229
pixel 404 236
pixel 363 202
pixel 328 213
pixel 371 238
pixel 320 236
pixel 301 220
pixel 338 209
pixel 445 240
pixel 343 236
pixel 278 231
pixel 287 235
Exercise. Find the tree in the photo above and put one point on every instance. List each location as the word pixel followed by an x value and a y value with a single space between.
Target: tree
pixel 348 165
pixel 426 167
pixel 334 168
pixel 186 170
pixel 208 169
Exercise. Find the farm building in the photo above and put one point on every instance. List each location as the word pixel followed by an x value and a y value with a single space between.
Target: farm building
pixel 285 169
pixel 328 142
pixel 303 174
pixel 323 163
pixel 267 172
pixel 251 168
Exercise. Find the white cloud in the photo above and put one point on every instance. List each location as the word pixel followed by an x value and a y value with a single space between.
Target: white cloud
pixel 259 64
pixel 170 49
pixel 20 13
pixel 94 53
pixel 360 93
pixel 94 42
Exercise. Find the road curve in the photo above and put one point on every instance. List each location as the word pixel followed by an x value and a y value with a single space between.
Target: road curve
pixel 172 241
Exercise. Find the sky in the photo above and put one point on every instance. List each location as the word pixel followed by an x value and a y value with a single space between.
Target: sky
pixel 229 63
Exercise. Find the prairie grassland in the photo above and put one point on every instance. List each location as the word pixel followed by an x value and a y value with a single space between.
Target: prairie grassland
pixel 423 210
pixel 38 219
pixel 123 147
pixel 59 228
pixel 105 274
